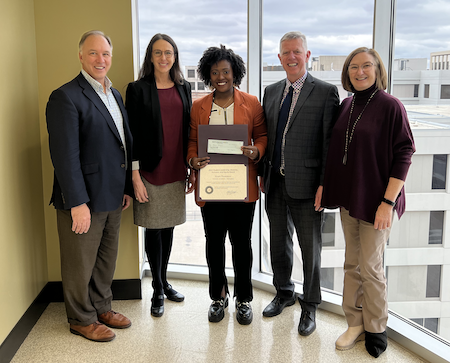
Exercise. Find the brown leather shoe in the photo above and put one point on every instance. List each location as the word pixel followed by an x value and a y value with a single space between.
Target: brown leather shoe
pixel 114 320
pixel 96 332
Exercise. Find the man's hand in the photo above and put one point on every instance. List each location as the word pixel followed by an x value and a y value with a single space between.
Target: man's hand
pixel 81 218
pixel 318 199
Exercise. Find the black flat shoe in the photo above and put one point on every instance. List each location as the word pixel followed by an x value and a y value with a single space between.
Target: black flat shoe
pixel 157 309
pixel 216 310
pixel 307 323
pixel 244 314
pixel 172 294
pixel 277 305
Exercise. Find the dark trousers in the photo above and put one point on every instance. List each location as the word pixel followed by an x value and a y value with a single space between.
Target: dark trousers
pixel 237 219
pixel 285 214
pixel 88 262
pixel 158 245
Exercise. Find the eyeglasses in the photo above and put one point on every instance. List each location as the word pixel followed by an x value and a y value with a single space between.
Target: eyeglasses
pixel 159 53
pixel 365 67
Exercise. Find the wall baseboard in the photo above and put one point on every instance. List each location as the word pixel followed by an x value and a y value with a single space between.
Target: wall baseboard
pixel 129 289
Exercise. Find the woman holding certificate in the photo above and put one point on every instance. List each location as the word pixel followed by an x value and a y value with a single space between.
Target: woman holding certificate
pixel 158 106
pixel 222 70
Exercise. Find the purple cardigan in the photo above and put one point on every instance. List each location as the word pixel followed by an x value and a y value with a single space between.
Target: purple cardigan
pixel 382 147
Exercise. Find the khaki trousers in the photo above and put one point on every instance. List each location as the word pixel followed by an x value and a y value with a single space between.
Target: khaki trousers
pixel 365 295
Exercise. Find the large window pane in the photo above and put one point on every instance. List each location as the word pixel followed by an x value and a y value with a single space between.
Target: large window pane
pixel 420 74
pixel 194 26
pixel 332 32
pixel 414 275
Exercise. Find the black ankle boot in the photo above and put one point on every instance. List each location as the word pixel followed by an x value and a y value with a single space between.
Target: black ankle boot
pixel 376 343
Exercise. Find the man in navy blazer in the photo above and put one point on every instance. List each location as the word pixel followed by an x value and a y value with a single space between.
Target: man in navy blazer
pixel 90 146
pixel 300 113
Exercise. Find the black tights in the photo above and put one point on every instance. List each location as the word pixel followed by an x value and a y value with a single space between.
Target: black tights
pixel 158 244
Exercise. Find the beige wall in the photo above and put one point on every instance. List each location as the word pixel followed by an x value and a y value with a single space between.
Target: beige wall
pixel 23 260
pixel 59 25
pixel 39 53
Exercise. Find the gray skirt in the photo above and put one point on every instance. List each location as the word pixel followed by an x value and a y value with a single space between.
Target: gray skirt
pixel 166 206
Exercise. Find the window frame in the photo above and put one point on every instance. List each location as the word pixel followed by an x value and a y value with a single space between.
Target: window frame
pixel 420 341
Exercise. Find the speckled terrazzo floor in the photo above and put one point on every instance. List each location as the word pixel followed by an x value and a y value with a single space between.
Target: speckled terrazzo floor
pixel 183 334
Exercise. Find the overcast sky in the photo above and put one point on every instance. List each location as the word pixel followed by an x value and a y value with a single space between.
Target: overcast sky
pixel 332 27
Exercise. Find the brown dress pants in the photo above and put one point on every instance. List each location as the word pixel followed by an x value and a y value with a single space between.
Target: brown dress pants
pixel 88 262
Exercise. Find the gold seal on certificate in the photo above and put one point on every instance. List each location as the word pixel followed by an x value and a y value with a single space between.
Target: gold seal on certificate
pixel 223 182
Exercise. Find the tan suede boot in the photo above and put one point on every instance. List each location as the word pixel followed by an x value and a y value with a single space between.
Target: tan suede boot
pixel 352 335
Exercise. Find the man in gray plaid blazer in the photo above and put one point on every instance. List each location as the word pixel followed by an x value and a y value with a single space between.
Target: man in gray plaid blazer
pixel 300 114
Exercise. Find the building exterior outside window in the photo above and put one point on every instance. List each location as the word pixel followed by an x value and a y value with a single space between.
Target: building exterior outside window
pixel 413 243
pixel 439 177
pixel 439 60
pixel 328 229
pixel 445 92
pixel 433 281
pixel 429 323
pixel 436 227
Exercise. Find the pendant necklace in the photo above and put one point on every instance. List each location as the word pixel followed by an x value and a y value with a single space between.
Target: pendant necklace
pixel 223 108
pixel 348 139
pixel 226 103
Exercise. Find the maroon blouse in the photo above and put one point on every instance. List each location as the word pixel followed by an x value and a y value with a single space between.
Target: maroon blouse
pixel 171 167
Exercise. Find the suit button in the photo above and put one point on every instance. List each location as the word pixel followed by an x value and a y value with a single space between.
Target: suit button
pixel 121 147
pixel 122 165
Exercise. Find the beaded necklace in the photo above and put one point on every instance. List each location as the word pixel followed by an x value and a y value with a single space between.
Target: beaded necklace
pixel 348 139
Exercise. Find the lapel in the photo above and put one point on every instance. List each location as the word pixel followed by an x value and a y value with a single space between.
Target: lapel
pixel 239 108
pixel 205 109
pixel 89 92
pixel 307 88
pixel 119 101
pixel 278 91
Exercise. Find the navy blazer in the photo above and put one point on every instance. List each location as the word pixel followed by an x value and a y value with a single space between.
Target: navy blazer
pixel 86 149
pixel 142 103
pixel 308 135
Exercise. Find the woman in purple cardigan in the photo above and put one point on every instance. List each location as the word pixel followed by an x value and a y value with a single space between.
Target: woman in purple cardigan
pixel 368 160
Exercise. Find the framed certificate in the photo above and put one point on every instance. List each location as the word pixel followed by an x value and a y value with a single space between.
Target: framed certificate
pixel 225 178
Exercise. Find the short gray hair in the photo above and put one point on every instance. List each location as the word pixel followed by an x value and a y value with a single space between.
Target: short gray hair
pixel 295 35
pixel 93 32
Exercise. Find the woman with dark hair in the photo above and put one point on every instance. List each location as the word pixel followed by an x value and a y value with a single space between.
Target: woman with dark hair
pixel 368 160
pixel 222 70
pixel 158 106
